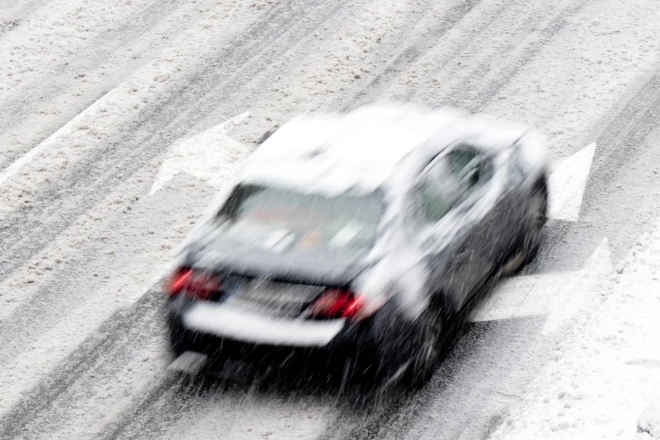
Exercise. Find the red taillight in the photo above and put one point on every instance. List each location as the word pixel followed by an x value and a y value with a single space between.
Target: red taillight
pixel 178 281
pixel 355 309
pixel 338 303
pixel 193 283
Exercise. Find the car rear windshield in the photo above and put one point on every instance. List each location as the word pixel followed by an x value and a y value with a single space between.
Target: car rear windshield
pixel 289 221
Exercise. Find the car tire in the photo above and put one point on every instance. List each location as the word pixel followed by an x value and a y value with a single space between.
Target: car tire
pixel 531 238
pixel 429 337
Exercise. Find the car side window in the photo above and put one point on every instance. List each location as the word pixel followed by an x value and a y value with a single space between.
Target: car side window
pixel 435 203
pixel 438 191
pixel 471 167
pixel 450 179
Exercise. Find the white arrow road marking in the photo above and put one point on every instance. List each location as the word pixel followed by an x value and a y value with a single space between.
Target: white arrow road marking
pixel 557 295
pixel 204 155
pixel 567 183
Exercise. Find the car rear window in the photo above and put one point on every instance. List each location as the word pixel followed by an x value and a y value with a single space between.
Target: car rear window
pixel 288 221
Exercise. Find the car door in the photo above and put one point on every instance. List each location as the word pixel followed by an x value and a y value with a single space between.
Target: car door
pixel 456 236
pixel 495 199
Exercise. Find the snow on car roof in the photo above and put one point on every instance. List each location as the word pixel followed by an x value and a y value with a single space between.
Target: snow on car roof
pixel 361 149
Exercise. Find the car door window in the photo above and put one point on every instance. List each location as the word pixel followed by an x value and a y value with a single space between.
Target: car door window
pixel 439 191
pixel 471 167
pixel 450 179
pixel 434 203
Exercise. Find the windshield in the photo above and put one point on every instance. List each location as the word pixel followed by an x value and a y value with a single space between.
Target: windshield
pixel 285 220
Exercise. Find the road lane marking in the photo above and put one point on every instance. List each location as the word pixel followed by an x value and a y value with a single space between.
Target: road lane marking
pixel 203 156
pixel 556 295
pixel 51 140
pixel 567 184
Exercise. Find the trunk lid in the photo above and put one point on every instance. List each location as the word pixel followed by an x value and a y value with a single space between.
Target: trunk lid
pixel 281 285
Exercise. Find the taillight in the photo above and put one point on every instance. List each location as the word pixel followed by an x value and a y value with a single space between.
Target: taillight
pixel 338 303
pixel 178 281
pixel 195 284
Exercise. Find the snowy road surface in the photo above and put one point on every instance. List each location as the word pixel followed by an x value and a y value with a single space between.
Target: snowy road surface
pixel 98 186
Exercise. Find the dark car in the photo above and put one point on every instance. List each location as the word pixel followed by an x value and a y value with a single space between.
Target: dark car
pixel 359 236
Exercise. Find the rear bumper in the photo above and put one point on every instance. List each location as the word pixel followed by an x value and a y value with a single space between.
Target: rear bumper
pixel 234 334
pixel 385 339
pixel 227 322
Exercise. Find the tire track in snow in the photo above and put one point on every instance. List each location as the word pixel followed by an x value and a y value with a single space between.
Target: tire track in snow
pixel 623 185
pixel 122 332
pixel 153 413
pixel 471 92
pixel 193 407
pixel 625 134
pixel 411 53
pixel 472 86
pixel 96 53
pixel 108 259
pixel 105 260
pixel 33 106
pixel 506 73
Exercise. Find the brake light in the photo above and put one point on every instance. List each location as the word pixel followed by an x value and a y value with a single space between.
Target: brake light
pixel 195 284
pixel 355 309
pixel 338 303
pixel 178 281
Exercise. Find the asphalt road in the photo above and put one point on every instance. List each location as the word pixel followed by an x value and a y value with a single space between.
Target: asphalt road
pixel 81 241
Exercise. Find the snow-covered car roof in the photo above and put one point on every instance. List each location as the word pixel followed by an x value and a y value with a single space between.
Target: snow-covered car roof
pixel 360 150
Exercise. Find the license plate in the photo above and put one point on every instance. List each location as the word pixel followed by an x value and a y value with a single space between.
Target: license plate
pixel 273 297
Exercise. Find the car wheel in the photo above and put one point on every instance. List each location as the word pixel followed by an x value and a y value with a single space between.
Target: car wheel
pixel 428 346
pixel 530 241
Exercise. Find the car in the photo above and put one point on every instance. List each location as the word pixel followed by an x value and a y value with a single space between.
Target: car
pixel 360 236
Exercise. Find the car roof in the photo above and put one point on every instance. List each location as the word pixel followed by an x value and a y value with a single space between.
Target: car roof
pixel 364 149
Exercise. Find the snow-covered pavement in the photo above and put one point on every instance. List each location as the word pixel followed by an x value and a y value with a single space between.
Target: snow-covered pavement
pixel 601 372
pixel 109 114
pixel 648 426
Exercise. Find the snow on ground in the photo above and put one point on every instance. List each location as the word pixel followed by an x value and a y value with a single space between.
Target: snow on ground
pixel 110 118
pixel 211 156
pixel 584 57
pixel 648 425
pixel 62 56
pixel 82 75
pixel 339 56
pixel 279 419
pixel 107 260
pixel 602 52
pixel 602 371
